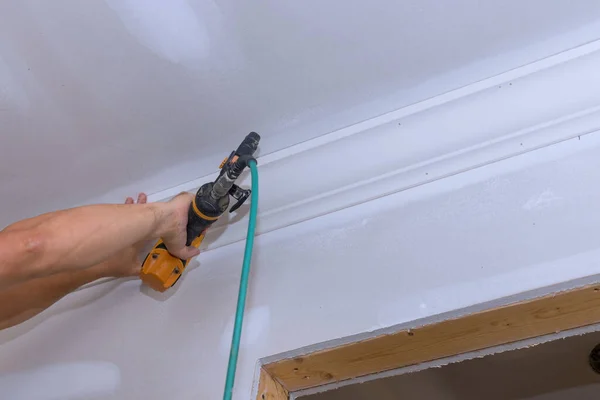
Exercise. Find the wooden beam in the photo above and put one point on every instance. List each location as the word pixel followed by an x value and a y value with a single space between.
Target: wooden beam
pixel 269 388
pixel 510 323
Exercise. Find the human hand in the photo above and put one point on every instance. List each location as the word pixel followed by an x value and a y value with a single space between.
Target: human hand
pixel 175 236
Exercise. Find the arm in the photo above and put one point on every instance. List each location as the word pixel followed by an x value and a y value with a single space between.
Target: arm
pixel 22 301
pixel 81 237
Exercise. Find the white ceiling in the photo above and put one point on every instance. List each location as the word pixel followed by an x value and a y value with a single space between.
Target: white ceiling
pixel 99 99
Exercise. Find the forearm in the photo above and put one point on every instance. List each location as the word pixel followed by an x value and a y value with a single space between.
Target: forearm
pixel 22 301
pixel 77 238
pixel 85 236
pixel 30 222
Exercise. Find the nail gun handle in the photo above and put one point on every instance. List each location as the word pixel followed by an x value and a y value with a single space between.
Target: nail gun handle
pixel 161 270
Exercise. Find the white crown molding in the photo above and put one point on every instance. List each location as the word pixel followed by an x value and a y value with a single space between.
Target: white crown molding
pixel 537 105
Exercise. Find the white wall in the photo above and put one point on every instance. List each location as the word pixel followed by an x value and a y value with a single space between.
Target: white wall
pixel 475 230
pixel 523 223
pixel 101 99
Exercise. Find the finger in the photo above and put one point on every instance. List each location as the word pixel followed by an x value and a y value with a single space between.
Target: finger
pixel 129 200
pixel 142 198
pixel 184 197
pixel 186 253
pixel 190 252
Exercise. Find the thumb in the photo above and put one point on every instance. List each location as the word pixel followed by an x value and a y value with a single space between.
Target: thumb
pixel 188 252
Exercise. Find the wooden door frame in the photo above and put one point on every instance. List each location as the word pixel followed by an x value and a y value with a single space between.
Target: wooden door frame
pixel 540 316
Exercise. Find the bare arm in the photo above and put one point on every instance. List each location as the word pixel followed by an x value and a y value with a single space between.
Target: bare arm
pixel 82 237
pixel 23 300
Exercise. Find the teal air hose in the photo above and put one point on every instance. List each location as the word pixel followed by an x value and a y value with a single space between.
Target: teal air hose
pixel 239 312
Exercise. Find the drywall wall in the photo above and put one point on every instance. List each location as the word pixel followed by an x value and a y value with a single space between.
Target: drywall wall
pixel 101 99
pixel 494 119
pixel 502 229
pixel 553 370
pixel 473 232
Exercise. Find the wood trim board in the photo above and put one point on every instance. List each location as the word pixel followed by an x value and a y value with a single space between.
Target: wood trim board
pixel 269 388
pixel 510 323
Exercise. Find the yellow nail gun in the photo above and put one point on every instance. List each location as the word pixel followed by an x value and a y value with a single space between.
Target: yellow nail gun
pixel 161 270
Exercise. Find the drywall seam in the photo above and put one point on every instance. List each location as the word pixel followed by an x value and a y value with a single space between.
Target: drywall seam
pixel 450 360
pixel 481 123
pixel 316 193
pixel 541 139
pixel 256 380
pixel 454 314
pixel 475 87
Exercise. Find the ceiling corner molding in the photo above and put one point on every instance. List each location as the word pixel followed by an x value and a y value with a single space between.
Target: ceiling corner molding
pixel 537 105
